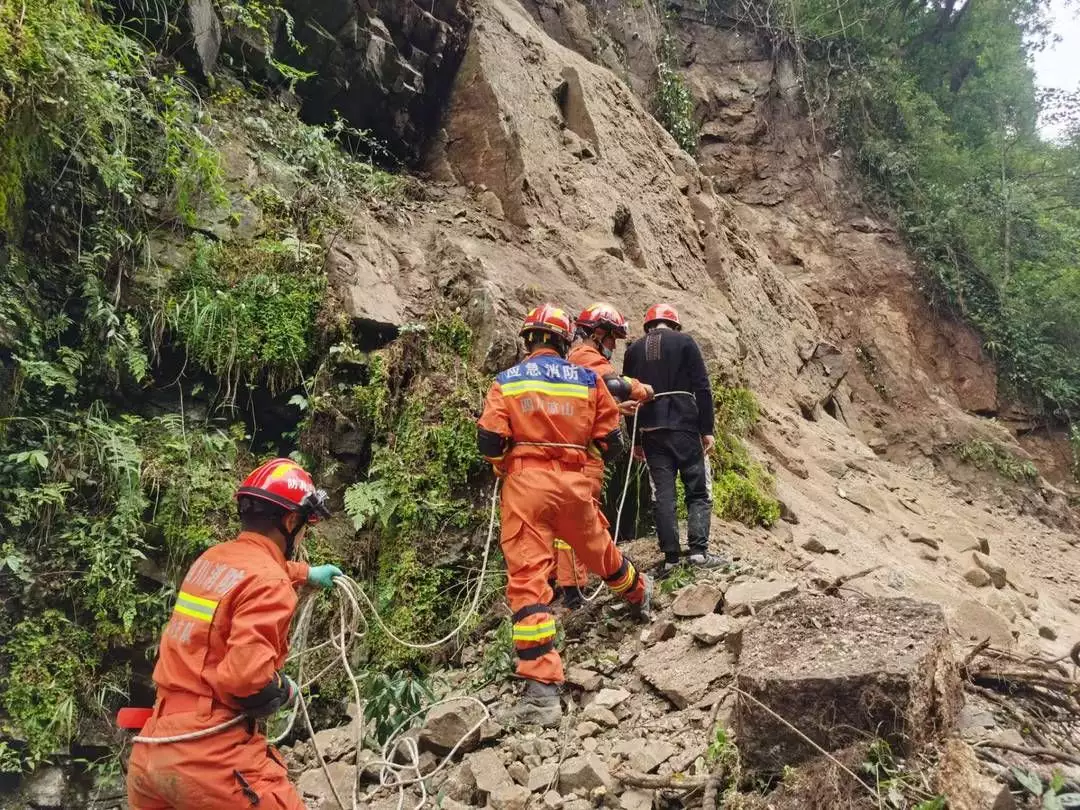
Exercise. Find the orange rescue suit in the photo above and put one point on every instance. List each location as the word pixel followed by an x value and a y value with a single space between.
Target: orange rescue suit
pixel 570 571
pixel 547 492
pixel 226 641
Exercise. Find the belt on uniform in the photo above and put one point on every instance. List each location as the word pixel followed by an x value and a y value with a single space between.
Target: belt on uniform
pixel 528 462
pixel 182 702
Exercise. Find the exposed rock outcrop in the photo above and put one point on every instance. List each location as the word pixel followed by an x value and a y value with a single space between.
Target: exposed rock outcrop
pixel 383 65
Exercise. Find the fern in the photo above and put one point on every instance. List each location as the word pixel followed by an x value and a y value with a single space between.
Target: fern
pixel 367 500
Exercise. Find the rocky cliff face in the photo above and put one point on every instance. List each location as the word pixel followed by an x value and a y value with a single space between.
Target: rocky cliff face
pixel 551 180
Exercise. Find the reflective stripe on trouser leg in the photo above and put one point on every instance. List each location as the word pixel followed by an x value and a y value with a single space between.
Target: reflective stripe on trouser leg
pixel 534 632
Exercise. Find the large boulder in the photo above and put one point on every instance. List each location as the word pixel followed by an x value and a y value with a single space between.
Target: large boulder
pixel 842 670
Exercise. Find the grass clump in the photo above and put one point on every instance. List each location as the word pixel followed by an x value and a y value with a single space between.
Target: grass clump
pixel 246 313
pixel 47 674
pixel 743 490
pixel 673 102
pixel 987 455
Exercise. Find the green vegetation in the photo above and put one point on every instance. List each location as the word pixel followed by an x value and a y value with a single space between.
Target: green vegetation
pixel 1052 795
pixel 742 489
pixel 247 313
pixel 896 787
pixel 673 103
pixel 419 405
pixel 937 104
pixel 987 455
pixel 679 578
pixel 106 156
pixel 394 700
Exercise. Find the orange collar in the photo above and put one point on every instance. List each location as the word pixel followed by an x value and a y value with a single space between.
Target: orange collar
pixel 265 543
pixel 542 351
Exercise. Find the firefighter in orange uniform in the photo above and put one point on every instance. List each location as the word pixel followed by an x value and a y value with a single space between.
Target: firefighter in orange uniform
pixel 540 418
pixel 598 327
pixel 222 654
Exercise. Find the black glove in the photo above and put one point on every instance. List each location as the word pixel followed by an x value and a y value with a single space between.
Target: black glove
pixel 280 692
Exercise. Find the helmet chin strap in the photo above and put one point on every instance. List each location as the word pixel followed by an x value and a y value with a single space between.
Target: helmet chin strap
pixel 290 535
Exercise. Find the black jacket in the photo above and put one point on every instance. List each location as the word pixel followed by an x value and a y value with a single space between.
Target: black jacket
pixel 671 361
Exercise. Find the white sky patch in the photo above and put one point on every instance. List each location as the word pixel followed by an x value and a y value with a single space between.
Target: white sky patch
pixel 1059 65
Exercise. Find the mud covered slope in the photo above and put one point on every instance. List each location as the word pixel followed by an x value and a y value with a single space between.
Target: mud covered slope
pixel 555 183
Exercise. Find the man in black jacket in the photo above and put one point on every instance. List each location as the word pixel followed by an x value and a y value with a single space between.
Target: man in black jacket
pixel 675 432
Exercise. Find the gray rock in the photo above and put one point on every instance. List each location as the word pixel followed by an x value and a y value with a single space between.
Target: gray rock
pixel 542 776
pixel 924 539
pixel 643 755
pixel 451 723
pixel 636 799
pixel 47 787
pixel 743 598
pixel 583 678
pixel 587 729
pixel 313 783
pixel 826 662
pixel 491 203
pixel 863 497
pixel 335 743
pixel 974 621
pixel 961 541
pixel 697 600
pixel 518 772
pixel 660 630
pixel 714 628
pixel 682 670
pixel 998 575
pixel 977 577
pixel 488 771
pixel 509 797
pixel 1048 632
pixel 598 714
pixel 814 546
pixel 583 773
pixel 200 27
pixel 610 698
pixel 552 800
pixel 461 785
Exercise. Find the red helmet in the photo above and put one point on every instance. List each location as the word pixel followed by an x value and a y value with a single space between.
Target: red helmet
pixel 662 312
pixel 287 484
pixel 603 316
pixel 547 318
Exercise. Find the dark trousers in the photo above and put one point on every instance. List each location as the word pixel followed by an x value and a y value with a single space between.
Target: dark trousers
pixel 668 452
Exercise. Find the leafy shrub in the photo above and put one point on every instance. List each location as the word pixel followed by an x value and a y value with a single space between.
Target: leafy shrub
pixel 673 103
pixel 743 490
pixel 986 455
pixel 744 500
pixel 247 314
pixel 49 670
pixel 419 404
pixel 392 698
